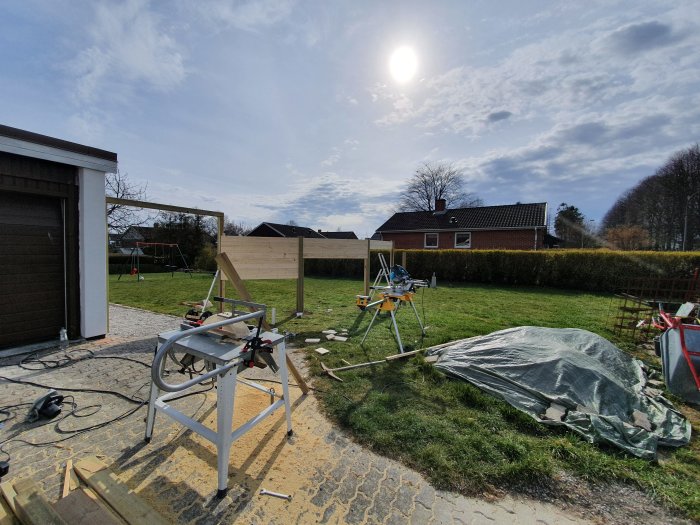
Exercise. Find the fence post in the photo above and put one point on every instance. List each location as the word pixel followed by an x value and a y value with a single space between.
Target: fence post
pixel 403 260
pixel 300 277
pixel 366 276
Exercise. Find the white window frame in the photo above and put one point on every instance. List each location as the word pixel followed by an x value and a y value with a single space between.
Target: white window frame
pixel 463 247
pixel 437 240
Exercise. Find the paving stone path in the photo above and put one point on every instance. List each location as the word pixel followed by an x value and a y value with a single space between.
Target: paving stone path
pixel 331 479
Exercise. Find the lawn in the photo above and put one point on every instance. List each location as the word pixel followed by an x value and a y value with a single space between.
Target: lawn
pixel 460 438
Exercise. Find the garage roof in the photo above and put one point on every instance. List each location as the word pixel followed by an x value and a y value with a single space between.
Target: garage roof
pixel 27 143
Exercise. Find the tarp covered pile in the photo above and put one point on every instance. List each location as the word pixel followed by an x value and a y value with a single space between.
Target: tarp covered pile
pixel 599 386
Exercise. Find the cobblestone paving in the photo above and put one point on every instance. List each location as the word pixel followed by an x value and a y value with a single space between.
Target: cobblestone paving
pixel 332 480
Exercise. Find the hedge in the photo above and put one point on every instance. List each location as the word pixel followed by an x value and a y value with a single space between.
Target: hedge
pixel 590 270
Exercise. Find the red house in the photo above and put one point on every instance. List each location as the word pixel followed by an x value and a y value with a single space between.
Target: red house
pixel 509 227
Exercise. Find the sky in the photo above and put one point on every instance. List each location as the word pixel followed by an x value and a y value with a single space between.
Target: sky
pixel 284 110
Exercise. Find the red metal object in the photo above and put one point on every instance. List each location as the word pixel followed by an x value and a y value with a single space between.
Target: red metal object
pixel 673 322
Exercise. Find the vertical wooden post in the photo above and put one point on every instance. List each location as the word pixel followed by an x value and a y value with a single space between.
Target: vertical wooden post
pixel 367 268
pixel 300 277
pixel 403 259
pixel 219 239
pixel 391 255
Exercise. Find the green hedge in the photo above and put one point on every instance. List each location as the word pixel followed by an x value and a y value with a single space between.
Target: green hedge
pixel 591 270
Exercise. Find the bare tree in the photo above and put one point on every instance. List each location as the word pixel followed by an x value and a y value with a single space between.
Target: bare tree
pixel 666 205
pixel 236 228
pixel 438 180
pixel 120 217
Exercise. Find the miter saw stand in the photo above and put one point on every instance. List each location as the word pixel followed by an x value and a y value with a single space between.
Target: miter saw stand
pixel 224 358
pixel 400 289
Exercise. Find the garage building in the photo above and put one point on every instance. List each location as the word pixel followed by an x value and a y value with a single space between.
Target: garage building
pixel 53 255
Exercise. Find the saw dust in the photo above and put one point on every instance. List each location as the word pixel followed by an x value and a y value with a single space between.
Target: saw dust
pixel 263 458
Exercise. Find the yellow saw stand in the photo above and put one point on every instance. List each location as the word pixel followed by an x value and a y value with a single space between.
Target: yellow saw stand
pixel 390 301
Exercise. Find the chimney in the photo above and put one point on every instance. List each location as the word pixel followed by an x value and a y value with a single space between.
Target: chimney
pixel 440 204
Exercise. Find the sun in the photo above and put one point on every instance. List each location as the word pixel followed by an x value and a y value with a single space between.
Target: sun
pixel 403 64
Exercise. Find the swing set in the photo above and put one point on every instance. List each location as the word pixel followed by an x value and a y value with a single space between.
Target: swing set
pixel 166 260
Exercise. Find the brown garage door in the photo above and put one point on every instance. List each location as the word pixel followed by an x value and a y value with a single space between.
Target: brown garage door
pixel 32 301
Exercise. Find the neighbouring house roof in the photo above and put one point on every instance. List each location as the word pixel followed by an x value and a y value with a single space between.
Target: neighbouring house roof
pixel 270 229
pixel 509 216
pixel 339 235
pixel 138 233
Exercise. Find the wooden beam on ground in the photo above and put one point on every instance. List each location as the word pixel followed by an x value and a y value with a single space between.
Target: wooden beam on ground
pixel 81 508
pixel 105 483
pixel 66 478
pixel 8 491
pixel 300 277
pixel 227 267
pixel 32 507
pixel 7 517
pixel 297 375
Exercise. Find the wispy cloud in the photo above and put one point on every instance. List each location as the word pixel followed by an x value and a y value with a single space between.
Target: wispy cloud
pixel 248 15
pixel 129 49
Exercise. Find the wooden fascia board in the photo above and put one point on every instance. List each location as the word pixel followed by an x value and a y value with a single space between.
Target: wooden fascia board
pixel 39 151
pixel 163 207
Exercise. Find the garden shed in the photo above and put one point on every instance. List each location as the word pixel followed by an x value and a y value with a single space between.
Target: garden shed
pixel 53 254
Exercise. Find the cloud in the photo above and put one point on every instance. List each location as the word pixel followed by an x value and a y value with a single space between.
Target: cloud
pixel 563 75
pixel 129 50
pixel 330 201
pixel 499 115
pixel 634 38
pixel 248 15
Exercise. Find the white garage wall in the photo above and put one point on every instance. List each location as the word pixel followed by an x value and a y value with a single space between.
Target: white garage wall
pixel 93 253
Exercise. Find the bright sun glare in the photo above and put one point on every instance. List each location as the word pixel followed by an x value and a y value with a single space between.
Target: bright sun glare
pixel 403 64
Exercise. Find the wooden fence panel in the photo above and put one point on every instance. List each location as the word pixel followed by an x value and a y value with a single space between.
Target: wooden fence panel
pixel 263 257
pixel 335 249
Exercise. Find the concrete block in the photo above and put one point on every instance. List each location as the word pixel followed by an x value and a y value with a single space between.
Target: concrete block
pixel 555 412
pixel 641 420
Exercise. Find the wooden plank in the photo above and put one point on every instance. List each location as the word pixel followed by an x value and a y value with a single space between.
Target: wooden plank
pixel 8 491
pixel 32 507
pixel 367 267
pixel 382 245
pixel 7 517
pixel 230 271
pixel 297 375
pixel 106 484
pixel 403 259
pixel 163 207
pixel 81 508
pixel 66 478
pixel 334 248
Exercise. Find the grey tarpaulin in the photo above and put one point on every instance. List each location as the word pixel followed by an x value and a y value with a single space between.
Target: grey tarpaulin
pixel 599 385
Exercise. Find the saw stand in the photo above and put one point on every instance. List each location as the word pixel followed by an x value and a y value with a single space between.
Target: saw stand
pixel 390 299
pixel 222 359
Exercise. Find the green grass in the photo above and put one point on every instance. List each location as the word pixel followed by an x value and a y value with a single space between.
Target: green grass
pixel 461 438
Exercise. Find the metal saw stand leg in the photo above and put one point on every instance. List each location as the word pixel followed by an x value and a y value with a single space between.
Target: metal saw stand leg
pixel 376 311
pixel 422 330
pixel 225 397
pixel 396 329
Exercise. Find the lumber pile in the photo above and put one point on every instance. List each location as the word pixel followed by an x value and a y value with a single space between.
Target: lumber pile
pixel 100 498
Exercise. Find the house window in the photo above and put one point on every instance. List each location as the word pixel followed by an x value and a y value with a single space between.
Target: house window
pixel 431 240
pixel 463 240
